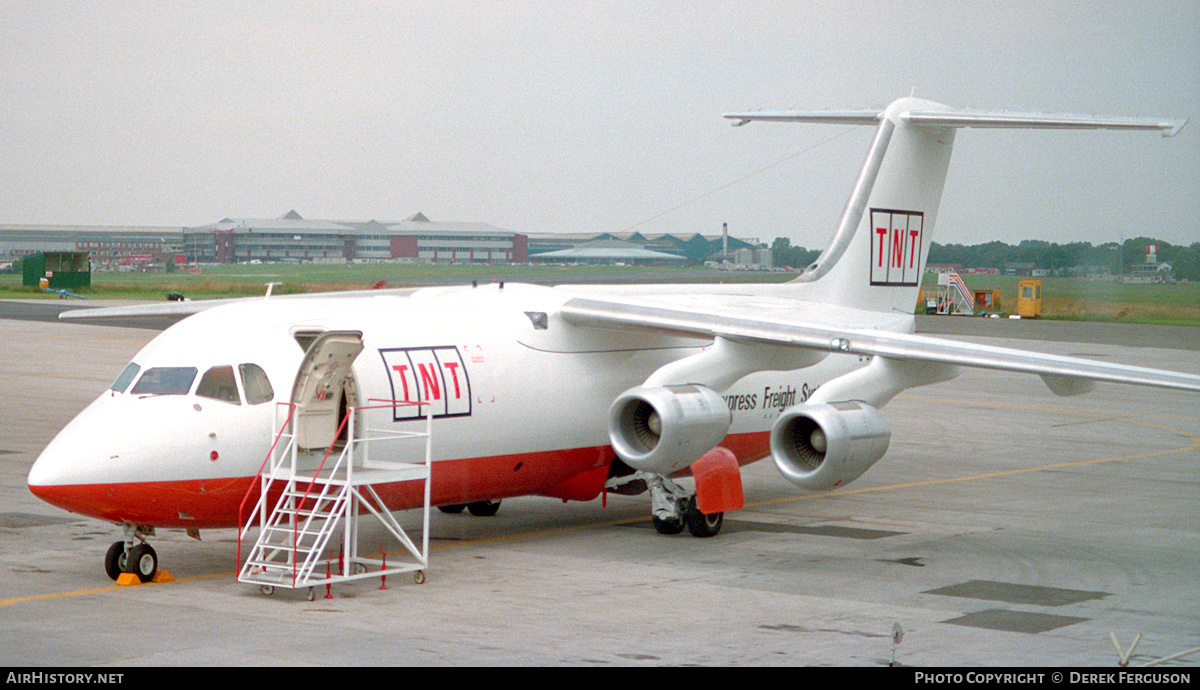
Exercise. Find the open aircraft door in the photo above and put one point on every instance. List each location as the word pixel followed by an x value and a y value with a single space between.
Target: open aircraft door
pixel 324 388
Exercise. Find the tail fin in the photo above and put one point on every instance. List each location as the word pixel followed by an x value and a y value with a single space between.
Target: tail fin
pixel 877 255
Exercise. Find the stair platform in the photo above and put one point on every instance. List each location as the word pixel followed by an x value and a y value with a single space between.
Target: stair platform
pixel 372 473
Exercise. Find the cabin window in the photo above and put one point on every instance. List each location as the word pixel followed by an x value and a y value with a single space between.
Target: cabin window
pixel 218 383
pixel 165 381
pixel 256 384
pixel 126 377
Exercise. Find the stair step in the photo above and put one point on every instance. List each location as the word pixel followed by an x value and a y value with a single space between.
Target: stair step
pixel 298 530
pixel 270 551
pixel 279 535
pixel 271 577
pixel 324 506
pixel 315 496
pixel 299 565
pixel 311 504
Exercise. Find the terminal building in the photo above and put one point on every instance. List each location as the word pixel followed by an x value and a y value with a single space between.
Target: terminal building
pixel 294 239
pixel 289 238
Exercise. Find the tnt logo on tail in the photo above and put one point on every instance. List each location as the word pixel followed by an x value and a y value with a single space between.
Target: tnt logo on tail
pixel 896 247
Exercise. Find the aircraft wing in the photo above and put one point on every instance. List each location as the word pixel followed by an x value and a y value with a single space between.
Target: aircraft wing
pixel 171 311
pixel 167 313
pixel 1060 373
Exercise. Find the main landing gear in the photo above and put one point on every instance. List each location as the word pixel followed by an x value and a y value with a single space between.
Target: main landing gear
pixel 674 508
pixel 478 508
pixel 132 555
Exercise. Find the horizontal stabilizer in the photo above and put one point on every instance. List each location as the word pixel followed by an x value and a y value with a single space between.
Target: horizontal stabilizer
pixel 967 118
pixel 823 117
pixel 979 118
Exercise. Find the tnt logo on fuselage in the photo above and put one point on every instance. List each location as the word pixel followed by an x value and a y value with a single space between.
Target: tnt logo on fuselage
pixel 433 375
pixel 896 246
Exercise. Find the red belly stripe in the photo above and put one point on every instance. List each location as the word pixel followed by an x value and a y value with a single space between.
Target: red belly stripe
pixel 574 474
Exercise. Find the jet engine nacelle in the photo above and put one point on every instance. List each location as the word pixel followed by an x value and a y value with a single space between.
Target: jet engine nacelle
pixel 823 446
pixel 665 429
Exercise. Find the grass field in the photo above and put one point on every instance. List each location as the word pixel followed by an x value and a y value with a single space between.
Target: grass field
pixel 1063 298
pixel 251 279
pixel 1078 299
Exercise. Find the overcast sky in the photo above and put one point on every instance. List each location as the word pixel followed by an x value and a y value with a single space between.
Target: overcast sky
pixel 582 116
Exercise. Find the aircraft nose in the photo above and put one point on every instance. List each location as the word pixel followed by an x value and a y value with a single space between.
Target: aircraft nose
pixel 47 477
pixel 46 470
pixel 76 456
pixel 53 466
pixel 50 477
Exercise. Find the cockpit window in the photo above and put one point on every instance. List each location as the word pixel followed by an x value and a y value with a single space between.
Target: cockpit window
pixel 165 381
pixel 218 384
pixel 126 377
pixel 256 384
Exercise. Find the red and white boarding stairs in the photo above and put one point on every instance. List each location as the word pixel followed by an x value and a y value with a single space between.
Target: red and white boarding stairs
pixel 953 297
pixel 306 497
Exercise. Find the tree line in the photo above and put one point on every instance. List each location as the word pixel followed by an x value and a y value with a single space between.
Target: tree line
pixel 1072 258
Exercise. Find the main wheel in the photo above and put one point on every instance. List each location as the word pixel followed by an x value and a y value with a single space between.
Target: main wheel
pixel 667 526
pixel 114 560
pixel 144 561
pixel 484 508
pixel 452 508
pixel 701 525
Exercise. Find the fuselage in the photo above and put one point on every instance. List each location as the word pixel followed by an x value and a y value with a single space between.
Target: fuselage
pixel 519 402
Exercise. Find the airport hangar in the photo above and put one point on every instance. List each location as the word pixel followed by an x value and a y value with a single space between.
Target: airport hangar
pixel 293 238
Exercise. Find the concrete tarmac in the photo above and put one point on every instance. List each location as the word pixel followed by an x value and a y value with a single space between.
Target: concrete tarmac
pixel 1004 527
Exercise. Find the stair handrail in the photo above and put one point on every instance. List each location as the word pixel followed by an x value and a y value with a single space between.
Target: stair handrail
pixel 346 451
pixel 259 506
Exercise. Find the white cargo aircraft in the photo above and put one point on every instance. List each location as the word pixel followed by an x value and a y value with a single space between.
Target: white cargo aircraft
pixel 566 391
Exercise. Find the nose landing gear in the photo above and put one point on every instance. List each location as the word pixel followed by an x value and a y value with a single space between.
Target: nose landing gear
pixel 133 556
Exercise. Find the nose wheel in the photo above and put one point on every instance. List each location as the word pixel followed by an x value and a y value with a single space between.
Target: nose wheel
pixel 115 559
pixel 132 555
pixel 143 562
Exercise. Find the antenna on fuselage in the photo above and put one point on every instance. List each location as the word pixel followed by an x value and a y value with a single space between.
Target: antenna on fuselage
pixel 270 287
